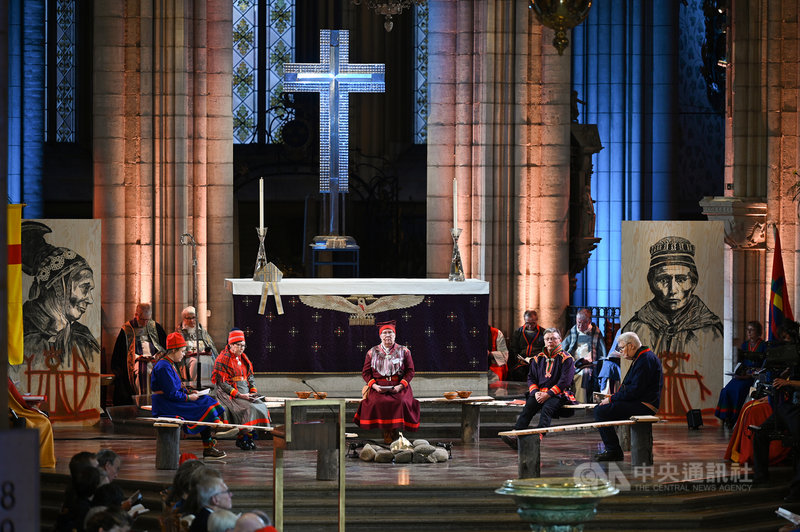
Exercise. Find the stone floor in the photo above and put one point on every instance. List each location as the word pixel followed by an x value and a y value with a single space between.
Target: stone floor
pixel 680 454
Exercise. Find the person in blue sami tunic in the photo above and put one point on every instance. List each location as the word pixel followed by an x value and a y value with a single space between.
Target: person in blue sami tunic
pixel 171 399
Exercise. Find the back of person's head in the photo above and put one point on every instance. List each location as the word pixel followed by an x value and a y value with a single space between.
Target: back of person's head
pixel 101 519
pixel 108 495
pixel 252 521
pixel 181 482
pixel 86 481
pixel 105 456
pixel 221 521
pixel 80 460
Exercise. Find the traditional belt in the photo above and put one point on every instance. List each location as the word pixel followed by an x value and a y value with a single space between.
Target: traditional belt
pixel 238 379
pixel 393 378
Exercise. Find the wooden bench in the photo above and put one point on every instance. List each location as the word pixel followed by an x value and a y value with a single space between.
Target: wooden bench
pixel 529 442
pixel 168 437
pixel 471 414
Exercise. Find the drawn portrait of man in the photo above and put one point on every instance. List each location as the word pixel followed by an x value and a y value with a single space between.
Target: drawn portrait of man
pixel 676 323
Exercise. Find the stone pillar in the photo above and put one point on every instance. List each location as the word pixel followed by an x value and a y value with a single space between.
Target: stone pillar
pixel 499 123
pixel 163 155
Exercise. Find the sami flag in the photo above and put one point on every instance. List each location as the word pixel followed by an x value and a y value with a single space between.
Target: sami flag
pixel 779 307
pixel 15 333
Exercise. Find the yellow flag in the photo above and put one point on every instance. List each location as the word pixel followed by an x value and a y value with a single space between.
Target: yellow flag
pixel 15 332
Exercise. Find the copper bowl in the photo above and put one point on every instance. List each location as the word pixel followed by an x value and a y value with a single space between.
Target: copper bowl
pixel 320 395
pixel 450 395
pixel 464 394
pixel 303 395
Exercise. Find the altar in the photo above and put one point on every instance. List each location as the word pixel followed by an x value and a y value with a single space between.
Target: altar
pixel 328 324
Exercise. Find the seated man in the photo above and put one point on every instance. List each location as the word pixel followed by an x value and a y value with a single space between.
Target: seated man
pixel 200 348
pixel 549 383
pixel 639 394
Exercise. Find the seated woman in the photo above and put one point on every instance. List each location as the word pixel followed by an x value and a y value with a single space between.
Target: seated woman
pixel 388 402
pixel 35 420
pixel 734 394
pixel 236 389
pixel 171 399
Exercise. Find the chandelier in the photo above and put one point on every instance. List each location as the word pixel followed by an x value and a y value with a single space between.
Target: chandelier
pixel 560 16
pixel 387 8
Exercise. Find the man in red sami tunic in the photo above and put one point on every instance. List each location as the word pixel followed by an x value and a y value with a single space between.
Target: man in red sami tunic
pixel 388 402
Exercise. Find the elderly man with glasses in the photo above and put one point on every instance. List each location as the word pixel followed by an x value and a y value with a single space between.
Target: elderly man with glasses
pixel 236 389
pixel 200 348
pixel 639 394
pixel 210 494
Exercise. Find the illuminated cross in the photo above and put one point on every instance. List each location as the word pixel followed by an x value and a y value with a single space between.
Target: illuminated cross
pixel 334 78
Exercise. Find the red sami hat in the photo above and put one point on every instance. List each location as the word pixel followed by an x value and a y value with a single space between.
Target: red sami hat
pixel 175 341
pixel 236 335
pixel 387 325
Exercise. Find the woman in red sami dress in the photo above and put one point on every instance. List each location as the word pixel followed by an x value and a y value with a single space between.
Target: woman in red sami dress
pixel 388 402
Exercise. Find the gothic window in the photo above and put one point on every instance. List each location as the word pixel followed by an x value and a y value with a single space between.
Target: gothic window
pixel 60 103
pixel 263 41
pixel 420 73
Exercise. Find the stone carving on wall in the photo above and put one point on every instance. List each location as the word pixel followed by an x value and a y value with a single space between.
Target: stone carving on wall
pixel 585 142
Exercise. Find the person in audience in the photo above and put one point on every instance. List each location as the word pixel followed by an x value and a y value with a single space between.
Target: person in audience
pixel 253 521
pixel 110 462
pixel 209 494
pixel 388 402
pixel 176 495
pixel 36 420
pixel 639 394
pixel 172 399
pixel 85 481
pixel 498 360
pixel 735 393
pixel 140 341
pixel 525 343
pixel 109 495
pixel 549 382
pixel 236 389
pixel 108 520
pixel 585 343
pixel 200 348
pixel 222 521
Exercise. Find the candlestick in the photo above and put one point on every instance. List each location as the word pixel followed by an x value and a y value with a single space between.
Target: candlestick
pixel 456 268
pixel 455 203
pixel 261 203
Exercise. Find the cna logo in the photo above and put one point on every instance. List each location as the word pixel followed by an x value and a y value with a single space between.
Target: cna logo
pixel 589 472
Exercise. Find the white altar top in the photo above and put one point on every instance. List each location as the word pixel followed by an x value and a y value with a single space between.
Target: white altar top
pixel 324 286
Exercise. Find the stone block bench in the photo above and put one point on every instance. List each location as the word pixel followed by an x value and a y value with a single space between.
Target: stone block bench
pixel 529 441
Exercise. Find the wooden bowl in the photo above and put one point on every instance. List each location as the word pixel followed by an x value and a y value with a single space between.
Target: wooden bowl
pixel 303 395
pixel 464 394
pixel 320 395
pixel 450 395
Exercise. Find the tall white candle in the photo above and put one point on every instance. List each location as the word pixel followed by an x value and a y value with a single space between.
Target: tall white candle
pixel 455 203
pixel 261 203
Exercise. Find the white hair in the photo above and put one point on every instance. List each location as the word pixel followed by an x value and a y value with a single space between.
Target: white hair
pixel 630 338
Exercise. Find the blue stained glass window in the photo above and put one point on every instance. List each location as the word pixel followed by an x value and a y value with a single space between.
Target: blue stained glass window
pixel 263 34
pixel 65 54
pixel 421 73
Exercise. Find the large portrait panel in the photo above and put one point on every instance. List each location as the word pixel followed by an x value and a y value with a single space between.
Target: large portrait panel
pixel 672 297
pixel 61 317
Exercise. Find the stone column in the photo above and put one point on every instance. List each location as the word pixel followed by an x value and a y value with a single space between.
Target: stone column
pixel 163 156
pixel 499 123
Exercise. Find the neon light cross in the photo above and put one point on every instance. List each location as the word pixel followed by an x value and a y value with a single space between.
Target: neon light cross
pixel 334 78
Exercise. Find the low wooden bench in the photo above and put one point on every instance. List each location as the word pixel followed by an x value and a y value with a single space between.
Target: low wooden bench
pixel 168 437
pixel 471 414
pixel 529 442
